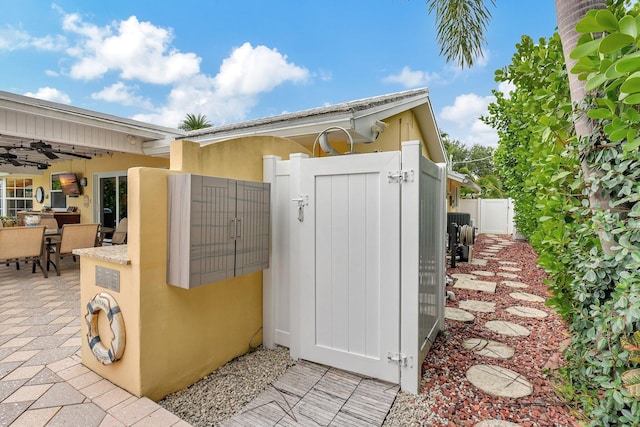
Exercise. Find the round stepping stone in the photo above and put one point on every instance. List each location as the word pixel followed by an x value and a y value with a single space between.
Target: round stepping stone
pixel 488 348
pixel 499 381
pixel 496 423
pixel 507 262
pixel 523 296
pixel 483 273
pixel 512 284
pixel 507 275
pixel 463 276
pixel 458 315
pixel 481 306
pixel 507 268
pixel 522 311
pixel 509 329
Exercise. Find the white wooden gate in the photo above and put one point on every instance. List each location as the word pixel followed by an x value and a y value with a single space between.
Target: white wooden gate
pixel 338 291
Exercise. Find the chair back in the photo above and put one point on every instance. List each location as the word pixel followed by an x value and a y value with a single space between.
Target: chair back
pixel 21 242
pixel 77 236
pixel 119 236
pixel 49 223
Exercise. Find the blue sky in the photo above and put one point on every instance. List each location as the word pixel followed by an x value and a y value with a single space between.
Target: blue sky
pixel 242 59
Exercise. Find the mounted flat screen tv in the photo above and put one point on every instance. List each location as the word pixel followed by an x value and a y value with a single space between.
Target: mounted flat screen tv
pixel 69 184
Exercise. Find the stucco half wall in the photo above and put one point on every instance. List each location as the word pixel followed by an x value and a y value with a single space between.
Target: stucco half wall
pixel 177 336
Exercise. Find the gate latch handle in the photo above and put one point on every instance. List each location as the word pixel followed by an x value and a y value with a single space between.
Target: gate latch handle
pixel 303 200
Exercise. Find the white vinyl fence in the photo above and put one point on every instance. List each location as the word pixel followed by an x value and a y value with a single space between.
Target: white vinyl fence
pixel 490 216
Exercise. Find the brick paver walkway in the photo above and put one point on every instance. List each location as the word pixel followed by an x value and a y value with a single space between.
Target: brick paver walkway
pixel 42 379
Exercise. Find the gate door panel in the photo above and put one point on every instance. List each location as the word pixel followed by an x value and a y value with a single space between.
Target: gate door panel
pixel 349 219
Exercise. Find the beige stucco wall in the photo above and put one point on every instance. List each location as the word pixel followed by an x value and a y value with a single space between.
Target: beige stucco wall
pixel 454 189
pixel 401 127
pixel 177 336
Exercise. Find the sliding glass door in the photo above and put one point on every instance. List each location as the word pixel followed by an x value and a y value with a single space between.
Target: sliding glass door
pixel 110 195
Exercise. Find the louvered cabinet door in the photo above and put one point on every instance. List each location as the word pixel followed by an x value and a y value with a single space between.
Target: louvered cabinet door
pixel 252 220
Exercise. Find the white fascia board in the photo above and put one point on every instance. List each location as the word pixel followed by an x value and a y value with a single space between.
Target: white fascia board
pixel 427 122
pixel 50 110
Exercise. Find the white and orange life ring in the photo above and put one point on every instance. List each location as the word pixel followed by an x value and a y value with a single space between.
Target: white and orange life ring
pixel 111 353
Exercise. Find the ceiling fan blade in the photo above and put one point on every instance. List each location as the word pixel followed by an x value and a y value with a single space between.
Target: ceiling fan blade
pixel 50 154
pixel 42 147
pixel 71 153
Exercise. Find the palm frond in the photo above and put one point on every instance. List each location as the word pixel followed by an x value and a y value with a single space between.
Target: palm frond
pixel 461 27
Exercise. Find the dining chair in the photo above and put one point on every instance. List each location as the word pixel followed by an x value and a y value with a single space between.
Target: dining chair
pixel 49 223
pixel 72 236
pixel 119 236
pixel 22 244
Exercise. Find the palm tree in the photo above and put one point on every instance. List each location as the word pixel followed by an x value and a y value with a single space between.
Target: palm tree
pixel 193 122
pixel 461 25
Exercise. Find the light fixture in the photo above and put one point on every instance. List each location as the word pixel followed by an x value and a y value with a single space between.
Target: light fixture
pixel 84 181
pixel 132 139
pixel 323 139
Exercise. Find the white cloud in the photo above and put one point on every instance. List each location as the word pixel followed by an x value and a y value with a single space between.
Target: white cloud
pixel 137 50
pixel 409 78
pixel 482 60
pixel 122 94
pixel 466 108
pixel 233 92
pixel 462 120
pixel 142 52
pixel 506 88
pixel 325 75
pixel 249 71
pixel 15 39
pixel 50 94
pixel 129 53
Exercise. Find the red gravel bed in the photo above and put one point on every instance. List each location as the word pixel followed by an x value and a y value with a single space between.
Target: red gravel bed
pixel 536 357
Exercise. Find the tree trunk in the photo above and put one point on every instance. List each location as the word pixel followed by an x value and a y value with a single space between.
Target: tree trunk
pixel 568 13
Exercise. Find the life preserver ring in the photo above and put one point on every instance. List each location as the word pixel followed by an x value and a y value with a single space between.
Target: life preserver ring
pixel 111 353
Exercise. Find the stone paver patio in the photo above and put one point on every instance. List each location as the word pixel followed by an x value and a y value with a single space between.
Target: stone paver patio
pixel 42 379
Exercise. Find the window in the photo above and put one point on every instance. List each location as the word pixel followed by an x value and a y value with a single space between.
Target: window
pixel 19 193
pixel 110 193
pixel 57 197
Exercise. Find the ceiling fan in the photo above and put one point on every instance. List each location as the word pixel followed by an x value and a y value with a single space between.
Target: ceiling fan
pixel 51 153
pixel 10 158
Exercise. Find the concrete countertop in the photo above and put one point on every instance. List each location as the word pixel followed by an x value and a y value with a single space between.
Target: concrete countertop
pixel 116 254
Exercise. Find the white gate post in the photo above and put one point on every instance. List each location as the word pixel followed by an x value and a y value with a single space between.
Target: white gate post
pixel 510 215
pixel 409 283
pixel 294 255
pixel 442 259
pixel 268 276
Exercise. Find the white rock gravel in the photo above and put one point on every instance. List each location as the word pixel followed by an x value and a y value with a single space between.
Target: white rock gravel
pixel 228 389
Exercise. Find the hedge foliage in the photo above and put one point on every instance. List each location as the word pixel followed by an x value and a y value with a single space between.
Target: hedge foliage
pixel 543 165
